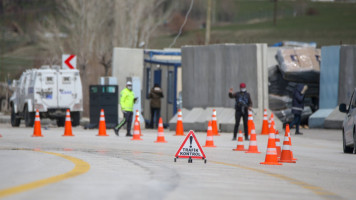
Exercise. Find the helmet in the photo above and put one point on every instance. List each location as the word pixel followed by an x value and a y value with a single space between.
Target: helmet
pixel 242 85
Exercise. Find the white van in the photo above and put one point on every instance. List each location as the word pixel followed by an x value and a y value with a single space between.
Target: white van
pixel 50 90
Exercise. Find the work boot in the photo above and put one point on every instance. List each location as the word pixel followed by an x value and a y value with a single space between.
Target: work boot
pixel 246 138
pixel 129 135
pixel 234 138
pixel 298 133
pixel 116 130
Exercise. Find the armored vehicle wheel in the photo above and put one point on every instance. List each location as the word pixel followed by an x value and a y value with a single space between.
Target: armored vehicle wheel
pixel 15 122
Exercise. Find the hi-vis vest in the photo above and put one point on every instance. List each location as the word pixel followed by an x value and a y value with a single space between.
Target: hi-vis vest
pixel 127 99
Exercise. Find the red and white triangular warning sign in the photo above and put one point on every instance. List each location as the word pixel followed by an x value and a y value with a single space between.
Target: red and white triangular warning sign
pixel 190 148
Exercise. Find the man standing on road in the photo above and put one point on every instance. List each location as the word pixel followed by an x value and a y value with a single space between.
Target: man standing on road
pixel 298 106
pixel 127 101
pixel 242 105
pixel 155 104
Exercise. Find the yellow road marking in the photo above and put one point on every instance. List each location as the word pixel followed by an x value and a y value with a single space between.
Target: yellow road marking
pixel 80 167
pixel 317 190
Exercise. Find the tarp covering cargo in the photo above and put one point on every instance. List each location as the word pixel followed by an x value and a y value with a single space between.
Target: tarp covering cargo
pixel 299 64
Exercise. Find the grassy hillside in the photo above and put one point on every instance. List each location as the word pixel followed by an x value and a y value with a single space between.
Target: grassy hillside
pixel 326 24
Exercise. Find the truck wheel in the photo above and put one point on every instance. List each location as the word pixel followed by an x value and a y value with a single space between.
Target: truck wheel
pixel 61 121
pixel 29 118
pixel 75 116
pixel 15 122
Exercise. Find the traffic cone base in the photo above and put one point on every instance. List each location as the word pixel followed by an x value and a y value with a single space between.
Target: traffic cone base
pixel 209 136
pixel 160 135
pixel 270 163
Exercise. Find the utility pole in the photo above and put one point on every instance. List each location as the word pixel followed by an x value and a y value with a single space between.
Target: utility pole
pixel 275 13
pixel 208 23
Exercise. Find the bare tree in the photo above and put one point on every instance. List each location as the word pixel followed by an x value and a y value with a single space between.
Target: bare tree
pixel 91 29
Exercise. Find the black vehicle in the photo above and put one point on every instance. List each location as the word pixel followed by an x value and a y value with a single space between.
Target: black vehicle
pixel 349 125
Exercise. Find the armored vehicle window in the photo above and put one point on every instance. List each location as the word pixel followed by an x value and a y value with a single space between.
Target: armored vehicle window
pixel 66 80
pixel 49 80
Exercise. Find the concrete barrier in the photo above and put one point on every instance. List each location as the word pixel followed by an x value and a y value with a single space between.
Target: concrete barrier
pixel 335 119
pixel 329 81
pixel 317 119
pixel 173 121
pixel 212 70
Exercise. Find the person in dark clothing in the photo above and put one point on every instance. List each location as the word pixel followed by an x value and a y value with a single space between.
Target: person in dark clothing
pixel 242 105
pixel 155 105
pixel 298 106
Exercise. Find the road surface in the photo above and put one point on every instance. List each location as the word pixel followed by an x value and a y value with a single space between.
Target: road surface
pixel 87 166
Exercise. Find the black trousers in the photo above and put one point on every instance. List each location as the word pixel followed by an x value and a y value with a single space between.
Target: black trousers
pixel 155 115
pixel 238 116
pixel 126 120
pixel 296 121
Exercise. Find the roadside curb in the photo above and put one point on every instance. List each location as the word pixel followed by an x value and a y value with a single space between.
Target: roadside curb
pixel 6 119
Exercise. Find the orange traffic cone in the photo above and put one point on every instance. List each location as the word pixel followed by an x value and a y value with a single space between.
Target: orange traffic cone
pixel 253 141
pixel 214 124
pixel 240 143
pixel 264 130
pixel 290 141
pixel 271 154
pixel 249 122
pixel 102 124
pixel 137 117
pixel 278 144
pixel 272 120
pixel 68 125
pixel 209 136
pixel 160 134
pixel 136 132
pixel 37 127
pixel 179 126
pixel 286 155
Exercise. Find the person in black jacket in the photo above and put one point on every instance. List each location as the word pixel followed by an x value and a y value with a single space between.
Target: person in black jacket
pixel 298 106
pixel 242 105
pixel 155 95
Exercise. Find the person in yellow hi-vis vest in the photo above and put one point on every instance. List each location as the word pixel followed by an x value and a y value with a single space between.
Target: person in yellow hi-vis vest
pixel 127 101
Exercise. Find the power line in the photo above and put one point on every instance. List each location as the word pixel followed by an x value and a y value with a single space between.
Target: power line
pixel 181 27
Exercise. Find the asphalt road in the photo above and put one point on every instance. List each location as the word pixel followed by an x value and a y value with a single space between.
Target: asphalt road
pixel 87 166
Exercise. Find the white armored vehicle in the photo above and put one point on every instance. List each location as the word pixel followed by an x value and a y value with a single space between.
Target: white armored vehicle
pixel 51 91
